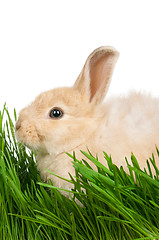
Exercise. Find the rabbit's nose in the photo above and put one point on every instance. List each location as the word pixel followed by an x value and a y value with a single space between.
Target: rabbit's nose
pixel 18 125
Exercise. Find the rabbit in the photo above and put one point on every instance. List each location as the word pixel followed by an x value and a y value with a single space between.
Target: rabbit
pixel 70 119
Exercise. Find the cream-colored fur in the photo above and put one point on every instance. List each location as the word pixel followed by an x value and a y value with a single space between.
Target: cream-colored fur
pixel 119 126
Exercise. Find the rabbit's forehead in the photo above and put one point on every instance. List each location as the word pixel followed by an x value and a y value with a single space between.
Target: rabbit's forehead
pixel 66 96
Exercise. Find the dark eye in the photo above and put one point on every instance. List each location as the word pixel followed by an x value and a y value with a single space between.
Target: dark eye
pixel 56 113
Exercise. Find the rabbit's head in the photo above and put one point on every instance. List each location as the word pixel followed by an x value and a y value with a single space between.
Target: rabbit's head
pixel 64 118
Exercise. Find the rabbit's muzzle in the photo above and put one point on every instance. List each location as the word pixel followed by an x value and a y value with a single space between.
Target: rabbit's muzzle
pixel 27 133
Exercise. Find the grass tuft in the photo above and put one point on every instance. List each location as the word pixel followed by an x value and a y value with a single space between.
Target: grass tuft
pixel 113 205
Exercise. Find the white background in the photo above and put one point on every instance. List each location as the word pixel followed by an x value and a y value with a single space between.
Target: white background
pixel 44 44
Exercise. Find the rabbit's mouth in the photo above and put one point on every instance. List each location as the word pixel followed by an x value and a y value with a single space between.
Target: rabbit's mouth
pixel 28 135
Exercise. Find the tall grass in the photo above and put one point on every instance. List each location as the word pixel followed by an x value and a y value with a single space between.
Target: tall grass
pixel 106 204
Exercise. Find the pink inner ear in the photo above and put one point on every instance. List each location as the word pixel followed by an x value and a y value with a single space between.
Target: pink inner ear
pixel 99 72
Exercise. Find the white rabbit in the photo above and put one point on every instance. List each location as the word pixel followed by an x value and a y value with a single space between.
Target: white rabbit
pixel 74 118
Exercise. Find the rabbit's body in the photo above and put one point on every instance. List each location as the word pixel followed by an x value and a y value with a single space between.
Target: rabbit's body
pixel 73 119
pixel 129 124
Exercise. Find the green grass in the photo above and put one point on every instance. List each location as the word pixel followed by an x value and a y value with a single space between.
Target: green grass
pixel 113 205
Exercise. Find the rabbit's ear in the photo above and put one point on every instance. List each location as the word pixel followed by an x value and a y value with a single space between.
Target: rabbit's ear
pixel 93 81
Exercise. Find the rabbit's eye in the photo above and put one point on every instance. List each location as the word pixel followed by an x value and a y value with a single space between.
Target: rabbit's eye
pixel 56 113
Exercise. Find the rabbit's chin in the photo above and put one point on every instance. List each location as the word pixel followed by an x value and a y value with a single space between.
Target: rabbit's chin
pixel 31 141
pixel 34 146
